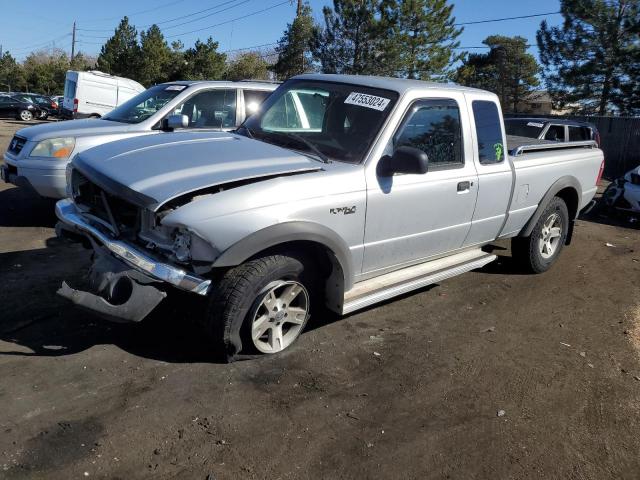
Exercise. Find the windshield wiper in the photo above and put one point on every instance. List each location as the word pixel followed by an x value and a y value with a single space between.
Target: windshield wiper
pixel 311 146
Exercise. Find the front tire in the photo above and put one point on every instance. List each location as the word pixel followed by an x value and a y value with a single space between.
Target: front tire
pixel 260 307
pixel 540 250
pixel 25 115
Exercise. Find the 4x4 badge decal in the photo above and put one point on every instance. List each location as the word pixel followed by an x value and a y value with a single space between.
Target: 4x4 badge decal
pixel 343 210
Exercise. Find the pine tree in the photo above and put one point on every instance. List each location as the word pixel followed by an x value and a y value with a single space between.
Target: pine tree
pixel 155 57
pixel 507 70
pixel 120 55
pixel 350 40
pixel 420 37
pixel 204 62
pixel 591 60
pixel 294 56
pixel 247 65
pixel 11 73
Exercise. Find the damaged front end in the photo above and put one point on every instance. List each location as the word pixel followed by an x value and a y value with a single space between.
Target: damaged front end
pixel 125 283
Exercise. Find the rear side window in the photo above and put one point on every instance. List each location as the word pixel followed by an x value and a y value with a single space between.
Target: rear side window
pixel 579 134
pixel 488 132
pixel 434 127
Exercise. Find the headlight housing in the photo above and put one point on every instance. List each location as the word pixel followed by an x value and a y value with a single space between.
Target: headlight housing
pixel 54 148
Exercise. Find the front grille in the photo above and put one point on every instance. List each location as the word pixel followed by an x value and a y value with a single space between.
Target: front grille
pixel 17 144
pixel 90 196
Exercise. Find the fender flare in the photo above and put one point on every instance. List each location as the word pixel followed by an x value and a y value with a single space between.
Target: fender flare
pixel 567 181
pixel 287 232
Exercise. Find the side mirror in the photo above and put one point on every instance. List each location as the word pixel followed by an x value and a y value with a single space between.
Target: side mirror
pixel 175 121
pixel 407 160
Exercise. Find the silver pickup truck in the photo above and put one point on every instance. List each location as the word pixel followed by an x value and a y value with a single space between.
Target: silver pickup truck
pixel 341 192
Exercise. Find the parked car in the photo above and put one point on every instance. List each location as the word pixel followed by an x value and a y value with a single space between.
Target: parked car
pixel 58 100
pixel 93 94
pixel 40 154
pixel 46 105
pixel 11 107
pixel 624 193
pixel 555 130
pixel 342 190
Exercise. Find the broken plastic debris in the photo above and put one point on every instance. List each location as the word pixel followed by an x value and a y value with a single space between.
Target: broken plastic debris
pixel 610 245
pixel 565 344
pixel 501 413
pixel 376 354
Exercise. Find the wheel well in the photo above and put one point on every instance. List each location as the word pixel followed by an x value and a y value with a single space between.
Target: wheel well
pixel 319 254
pixel 570 197
pixel 323 259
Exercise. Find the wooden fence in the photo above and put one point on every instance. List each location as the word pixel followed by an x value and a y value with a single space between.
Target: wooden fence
pixel 620 141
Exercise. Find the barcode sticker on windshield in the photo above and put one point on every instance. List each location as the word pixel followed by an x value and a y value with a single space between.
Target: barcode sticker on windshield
pixel 173 88
pixel 368 101
pixel 534 124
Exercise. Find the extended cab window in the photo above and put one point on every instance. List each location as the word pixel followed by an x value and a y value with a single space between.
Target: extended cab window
pixel 210 109
pixel 579 134
pixel 433 126
pixel 555 133
pixel 488 132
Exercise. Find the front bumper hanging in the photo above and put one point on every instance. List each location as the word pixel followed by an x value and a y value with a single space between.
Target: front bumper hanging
pixel 71 217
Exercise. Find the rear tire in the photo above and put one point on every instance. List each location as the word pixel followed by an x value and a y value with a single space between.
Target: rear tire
pixel 260 307
pixel 539 251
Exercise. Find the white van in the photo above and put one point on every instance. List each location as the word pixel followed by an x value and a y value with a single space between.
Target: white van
pixel 93 94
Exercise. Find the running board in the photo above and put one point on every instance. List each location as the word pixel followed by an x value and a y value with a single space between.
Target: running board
pixel 384 287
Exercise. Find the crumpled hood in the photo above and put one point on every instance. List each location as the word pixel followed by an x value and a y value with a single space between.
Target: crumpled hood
pixel 153 169
pixel 73 128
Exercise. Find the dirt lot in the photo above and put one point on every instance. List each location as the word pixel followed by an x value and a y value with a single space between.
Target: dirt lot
pixel 409 389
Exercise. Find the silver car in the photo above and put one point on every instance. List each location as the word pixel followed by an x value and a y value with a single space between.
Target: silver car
pixel 37 156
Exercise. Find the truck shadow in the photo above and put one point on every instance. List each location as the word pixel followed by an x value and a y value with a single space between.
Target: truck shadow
pixel 35 321
pixel 22 208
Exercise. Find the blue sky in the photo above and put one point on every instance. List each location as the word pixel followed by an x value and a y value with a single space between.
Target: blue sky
pixel 29 24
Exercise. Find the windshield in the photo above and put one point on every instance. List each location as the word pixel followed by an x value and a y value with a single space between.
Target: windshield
pixel 329 120
pixel 145 104
pixel 524 128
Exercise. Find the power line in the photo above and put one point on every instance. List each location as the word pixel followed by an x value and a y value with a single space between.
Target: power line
pixel 39 45
pixel 506 18
pixel 229 21
pixel 176 18
pixel 136 13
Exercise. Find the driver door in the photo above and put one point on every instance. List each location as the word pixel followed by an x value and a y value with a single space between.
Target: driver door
pixel 413 217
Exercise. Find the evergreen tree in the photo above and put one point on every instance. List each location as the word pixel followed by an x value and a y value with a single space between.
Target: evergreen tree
pixel 156 57
pixel 350 40
pixel 294 56
pixel 420 37
pixel 591 60
pixel 507 70
pixel 120 55
pixel 11 73
pixel 249 65
pixel 204 62
pixel 176 65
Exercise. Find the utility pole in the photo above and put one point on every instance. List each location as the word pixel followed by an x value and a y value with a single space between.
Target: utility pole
pixel 73 41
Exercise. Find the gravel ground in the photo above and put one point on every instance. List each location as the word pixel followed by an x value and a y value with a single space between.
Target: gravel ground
pixel 493 374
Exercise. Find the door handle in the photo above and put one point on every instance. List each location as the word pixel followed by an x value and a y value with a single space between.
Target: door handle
pixel 464 186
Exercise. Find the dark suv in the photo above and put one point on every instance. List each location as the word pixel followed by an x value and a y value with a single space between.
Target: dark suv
pixel 552 129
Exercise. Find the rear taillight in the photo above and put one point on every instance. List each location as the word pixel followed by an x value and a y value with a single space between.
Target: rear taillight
pixel 600 172
pixel 54 105
pixel 75 105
